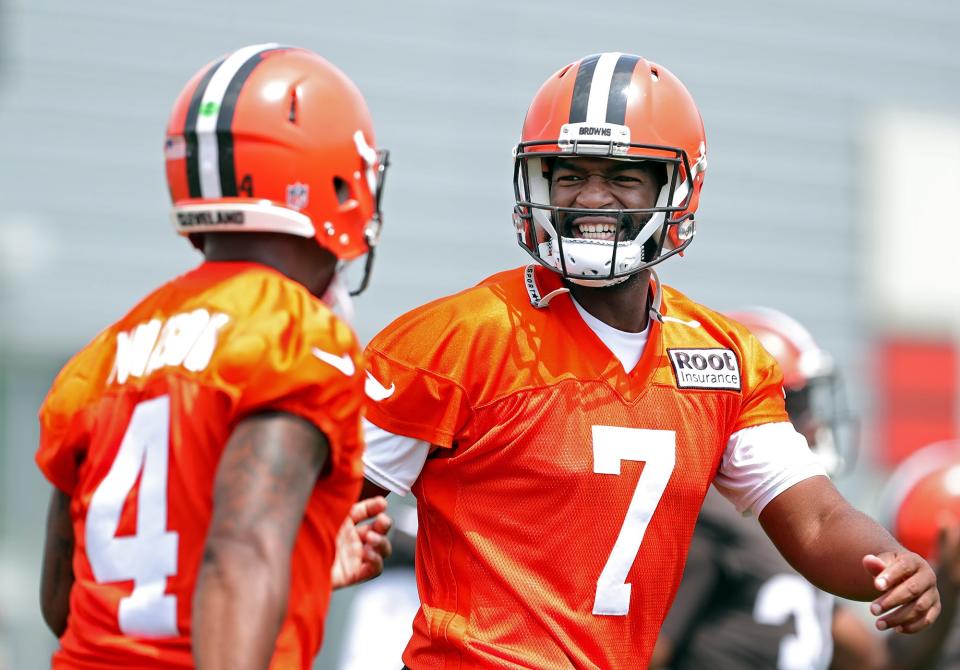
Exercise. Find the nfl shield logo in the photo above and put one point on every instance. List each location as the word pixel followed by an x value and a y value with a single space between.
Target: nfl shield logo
pixel 297 196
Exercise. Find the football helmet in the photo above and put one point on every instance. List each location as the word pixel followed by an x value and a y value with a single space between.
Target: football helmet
pixel 622 107
pixel 813 390
pixel 272 138
pixel 922 493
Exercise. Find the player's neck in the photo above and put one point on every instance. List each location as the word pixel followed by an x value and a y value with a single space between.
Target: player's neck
pixel 300 259
pixel 624 306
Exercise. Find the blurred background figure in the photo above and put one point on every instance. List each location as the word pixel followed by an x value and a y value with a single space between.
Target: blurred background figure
pixel 740 605
pixel 921 506
pixel 812 386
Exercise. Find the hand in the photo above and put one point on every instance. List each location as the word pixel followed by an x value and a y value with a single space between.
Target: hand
pixel 361 549
pixel 908 587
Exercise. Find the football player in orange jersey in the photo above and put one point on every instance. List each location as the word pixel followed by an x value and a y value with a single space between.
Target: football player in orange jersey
pixel 560 424
pixel 205 449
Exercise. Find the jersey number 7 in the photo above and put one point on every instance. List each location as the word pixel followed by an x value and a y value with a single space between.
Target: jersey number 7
pixel 658 449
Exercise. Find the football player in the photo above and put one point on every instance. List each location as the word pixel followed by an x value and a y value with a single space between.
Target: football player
pixel 205 449
pixel 560 423
pixel 740 604
pixel 922 505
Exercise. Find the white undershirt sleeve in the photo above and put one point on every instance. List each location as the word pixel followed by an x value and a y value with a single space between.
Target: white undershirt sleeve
pixel 761 462
pixel 392 461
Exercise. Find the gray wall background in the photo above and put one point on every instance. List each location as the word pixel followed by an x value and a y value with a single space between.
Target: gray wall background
pixel 785 89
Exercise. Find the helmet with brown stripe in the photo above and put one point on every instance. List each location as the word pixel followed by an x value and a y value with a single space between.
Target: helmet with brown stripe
pixel 922 496
pixel 276 139
pixel 624 108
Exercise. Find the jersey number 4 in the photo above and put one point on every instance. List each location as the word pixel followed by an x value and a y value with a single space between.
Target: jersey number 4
pixel 149 556
pixel 658 450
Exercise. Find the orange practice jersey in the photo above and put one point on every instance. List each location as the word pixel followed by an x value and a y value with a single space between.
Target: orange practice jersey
pixel 133 430
pixel 558 503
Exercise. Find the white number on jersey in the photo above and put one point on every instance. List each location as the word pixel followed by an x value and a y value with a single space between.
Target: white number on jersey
pixel 786 595
pixel 149 556
pixel 658 449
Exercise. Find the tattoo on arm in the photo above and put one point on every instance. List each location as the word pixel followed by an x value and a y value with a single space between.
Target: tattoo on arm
pixel 266 475
pixel 267 472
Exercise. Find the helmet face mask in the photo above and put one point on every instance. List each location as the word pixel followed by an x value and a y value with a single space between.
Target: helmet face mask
pixel 641 234
pixel 819 412
pixel 618 108
pixel 276 139
pixel 371 232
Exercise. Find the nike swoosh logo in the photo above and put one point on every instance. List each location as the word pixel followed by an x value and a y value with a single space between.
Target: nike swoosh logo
pixel 343 363
pixel 377 391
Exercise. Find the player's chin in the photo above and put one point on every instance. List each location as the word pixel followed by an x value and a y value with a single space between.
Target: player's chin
pixel 626 284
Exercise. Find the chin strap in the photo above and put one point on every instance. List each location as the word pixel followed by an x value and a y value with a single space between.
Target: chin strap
pixel 541 302
pixel 657 298
pixel 533 291
pixel 337 296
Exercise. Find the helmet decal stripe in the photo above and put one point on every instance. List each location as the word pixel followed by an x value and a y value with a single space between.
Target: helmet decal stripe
pixel 190 131
pixel 619 87
pixel 581 89
pixel 208 115
pixel 228 173
pixel 600 88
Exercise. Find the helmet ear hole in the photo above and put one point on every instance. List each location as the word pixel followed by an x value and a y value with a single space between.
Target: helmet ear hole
pixel 342 190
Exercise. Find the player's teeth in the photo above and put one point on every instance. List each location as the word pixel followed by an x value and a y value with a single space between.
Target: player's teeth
pixel 596 228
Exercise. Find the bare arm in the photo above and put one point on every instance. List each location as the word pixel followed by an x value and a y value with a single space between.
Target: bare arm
pixel 57 578
pixel 371 490
pixel 266 474
pixel 845 552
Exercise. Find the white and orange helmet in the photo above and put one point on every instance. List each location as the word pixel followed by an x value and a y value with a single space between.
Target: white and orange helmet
pixel 922 494
pixel 620 106
pixel 813 391
pixel 276 139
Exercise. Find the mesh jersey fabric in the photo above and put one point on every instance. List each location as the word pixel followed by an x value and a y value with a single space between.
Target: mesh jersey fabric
pixel 516 519
pixel 261 359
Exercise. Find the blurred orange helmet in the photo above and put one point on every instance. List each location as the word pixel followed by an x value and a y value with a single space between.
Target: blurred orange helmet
pixel 922 493
pixel 275 139
pixel 813 392
pixel 799 356
pixel 619 106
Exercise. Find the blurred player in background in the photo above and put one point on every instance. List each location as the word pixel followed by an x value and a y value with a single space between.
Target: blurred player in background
pixel 560 424
pixel 740 604
pixel 921 504
pixel 204 449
